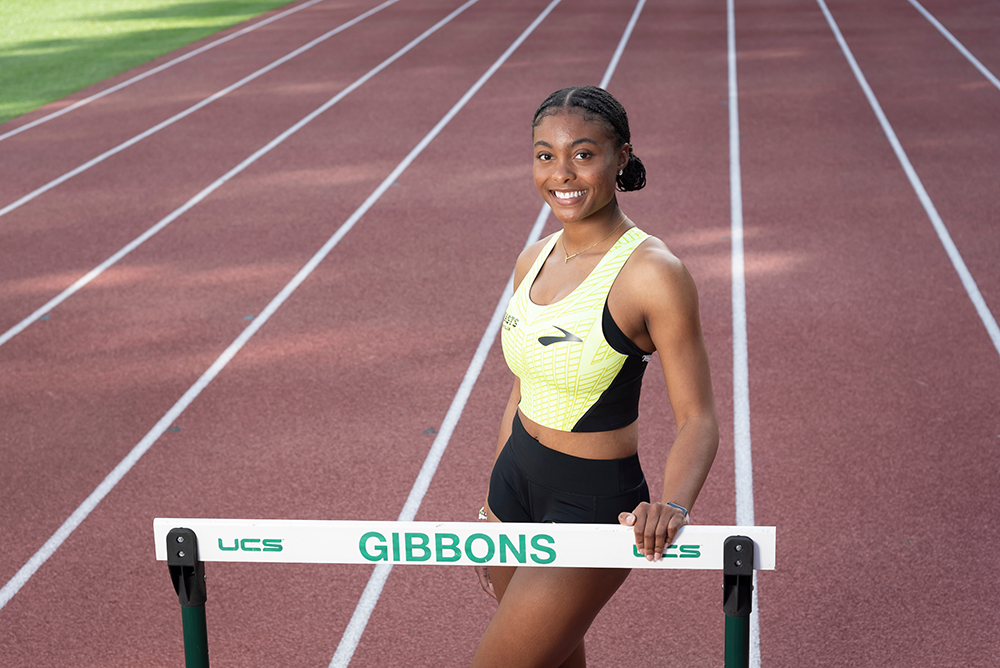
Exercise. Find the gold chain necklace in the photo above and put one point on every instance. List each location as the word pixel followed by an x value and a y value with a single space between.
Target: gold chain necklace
pixel 562 240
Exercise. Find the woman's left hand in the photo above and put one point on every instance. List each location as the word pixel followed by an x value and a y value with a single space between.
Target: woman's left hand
pixel 655 526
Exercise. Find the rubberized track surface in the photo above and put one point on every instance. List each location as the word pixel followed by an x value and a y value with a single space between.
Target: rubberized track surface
pixel 875 407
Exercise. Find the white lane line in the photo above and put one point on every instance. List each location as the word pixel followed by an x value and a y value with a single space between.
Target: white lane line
pixel 613 65
pixel 373 588
pixel 741 363
pixel 80 514
pixel 190 110
pixel 958 45
pixel 968 282
pixel 157 69
pixel 218 183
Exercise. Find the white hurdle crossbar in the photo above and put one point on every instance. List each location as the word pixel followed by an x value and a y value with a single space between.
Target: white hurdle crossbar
pixel 455 543
pixel 186 544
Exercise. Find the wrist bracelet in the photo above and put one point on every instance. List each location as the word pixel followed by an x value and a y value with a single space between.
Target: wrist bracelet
pixel 678 507
pixel 482 514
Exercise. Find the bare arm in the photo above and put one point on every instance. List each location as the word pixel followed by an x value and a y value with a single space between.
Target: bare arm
pixel 669 303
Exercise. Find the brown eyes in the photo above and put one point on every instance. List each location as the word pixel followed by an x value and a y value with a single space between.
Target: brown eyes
pixel 579 155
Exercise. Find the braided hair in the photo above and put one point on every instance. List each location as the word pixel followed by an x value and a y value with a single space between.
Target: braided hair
pixel 597 103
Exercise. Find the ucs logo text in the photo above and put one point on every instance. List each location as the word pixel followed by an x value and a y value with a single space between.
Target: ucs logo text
pixel 448 547
pixel 686 551
pixel 253 545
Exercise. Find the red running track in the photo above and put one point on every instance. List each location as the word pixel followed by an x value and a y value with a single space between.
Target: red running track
pixel 873 383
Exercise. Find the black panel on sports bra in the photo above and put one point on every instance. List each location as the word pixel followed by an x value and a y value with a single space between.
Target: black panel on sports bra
pixel 616 337
pixel 618 406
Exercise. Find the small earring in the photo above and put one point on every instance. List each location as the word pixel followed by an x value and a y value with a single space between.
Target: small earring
pixel 620 172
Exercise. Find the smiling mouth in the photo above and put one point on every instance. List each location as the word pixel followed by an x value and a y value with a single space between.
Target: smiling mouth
pixel 567 195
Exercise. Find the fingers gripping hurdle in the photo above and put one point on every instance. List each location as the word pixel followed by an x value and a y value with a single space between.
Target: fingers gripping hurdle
pixel 738 551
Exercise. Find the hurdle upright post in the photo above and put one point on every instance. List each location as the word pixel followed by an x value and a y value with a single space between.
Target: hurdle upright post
pixel 737 598
pixel 187 572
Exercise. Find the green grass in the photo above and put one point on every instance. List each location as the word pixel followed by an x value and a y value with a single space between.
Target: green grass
pixel 51 48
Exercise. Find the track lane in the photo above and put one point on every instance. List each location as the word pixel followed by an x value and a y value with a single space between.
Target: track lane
pixel 115 337
pixel 71 140
pixel 406 86
pixel 871 378
pixel 209 148
pixel 957 44
pixel 65 105
pixel 194 108
pixel 974 23
pixel 947 138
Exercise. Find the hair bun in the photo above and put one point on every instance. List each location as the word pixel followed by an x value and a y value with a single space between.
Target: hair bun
pixel 633 177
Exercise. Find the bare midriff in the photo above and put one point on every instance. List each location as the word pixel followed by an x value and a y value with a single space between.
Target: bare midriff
pixel 615 444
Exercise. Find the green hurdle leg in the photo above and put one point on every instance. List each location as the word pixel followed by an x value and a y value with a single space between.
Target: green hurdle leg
pixel 195 637
pixel 737 599
pixel 188 575
pixel 737 642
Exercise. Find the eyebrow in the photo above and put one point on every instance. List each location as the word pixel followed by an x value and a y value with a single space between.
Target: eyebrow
pixel 578 141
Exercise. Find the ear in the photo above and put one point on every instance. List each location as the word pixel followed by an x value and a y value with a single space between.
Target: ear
pixel 623 154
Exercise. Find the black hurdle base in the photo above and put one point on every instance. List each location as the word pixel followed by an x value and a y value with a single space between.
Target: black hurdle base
pixel 188 575
pixel 737 599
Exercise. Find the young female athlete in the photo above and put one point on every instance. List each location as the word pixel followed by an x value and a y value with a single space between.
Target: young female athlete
pixel 591 303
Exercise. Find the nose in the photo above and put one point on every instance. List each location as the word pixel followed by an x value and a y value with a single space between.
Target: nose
pixel 563 173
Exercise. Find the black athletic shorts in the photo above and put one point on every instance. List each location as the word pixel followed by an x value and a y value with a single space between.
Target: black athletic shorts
pixel 533 483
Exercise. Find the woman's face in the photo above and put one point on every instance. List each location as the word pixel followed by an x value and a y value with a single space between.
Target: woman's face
pixel 576 165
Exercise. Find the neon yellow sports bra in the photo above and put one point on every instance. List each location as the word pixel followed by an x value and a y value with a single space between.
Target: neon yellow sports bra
pixel 578 371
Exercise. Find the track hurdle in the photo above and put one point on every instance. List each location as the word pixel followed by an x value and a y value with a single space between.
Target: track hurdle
pixel 186 544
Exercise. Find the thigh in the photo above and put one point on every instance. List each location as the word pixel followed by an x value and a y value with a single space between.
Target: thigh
pixel 543 614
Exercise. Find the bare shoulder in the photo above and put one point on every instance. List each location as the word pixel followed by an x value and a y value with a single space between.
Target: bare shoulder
pixel 527 258
pixel 658 278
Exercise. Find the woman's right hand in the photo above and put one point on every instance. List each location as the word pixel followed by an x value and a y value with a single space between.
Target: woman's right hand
pixel 483 573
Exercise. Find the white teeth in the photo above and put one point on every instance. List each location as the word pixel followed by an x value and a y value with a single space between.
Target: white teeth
pixel 569 195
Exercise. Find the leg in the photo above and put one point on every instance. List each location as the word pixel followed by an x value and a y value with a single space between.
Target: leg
pixel 543 615
pixel 578 659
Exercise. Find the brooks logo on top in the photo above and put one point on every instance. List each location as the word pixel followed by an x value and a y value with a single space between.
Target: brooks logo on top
pixel 568 337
